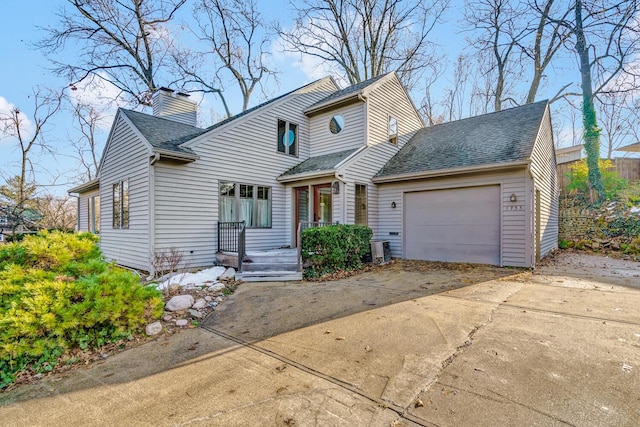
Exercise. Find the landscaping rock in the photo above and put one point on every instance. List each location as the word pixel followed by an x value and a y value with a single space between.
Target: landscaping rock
pixel 216 287
pixel 229 274
pixel 219 299
pixel 180 302
pixel 200 303
pixel 153 328
pixel 167 318
pixel 182 322
pixel 196 314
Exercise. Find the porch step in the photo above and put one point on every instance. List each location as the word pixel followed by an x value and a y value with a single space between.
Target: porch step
pixel 291 266
pixel 269 276
pixel 285 256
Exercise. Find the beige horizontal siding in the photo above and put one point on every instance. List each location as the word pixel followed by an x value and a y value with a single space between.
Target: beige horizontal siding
pixel 83 209
pixel 126 157
pixel 244 151
pixel 322 141
pixel 543 169
pixel 513 246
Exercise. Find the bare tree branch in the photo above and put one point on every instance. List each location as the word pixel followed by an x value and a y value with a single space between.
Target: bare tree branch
pixel 122 41
pixel 367 38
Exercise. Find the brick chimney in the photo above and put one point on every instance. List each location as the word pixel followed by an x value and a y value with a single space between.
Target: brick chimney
pixel 175 106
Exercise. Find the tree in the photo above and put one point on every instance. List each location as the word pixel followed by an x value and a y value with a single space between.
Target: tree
pixel 549 37
pixel 57 212
pixel 124 42
pixel 237 43
pixel 498 29
pixel 614 43
pixel 367 38
pixel 28 133
pixel 88 144
pixel 618 119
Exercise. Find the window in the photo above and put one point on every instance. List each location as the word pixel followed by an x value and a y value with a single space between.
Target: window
pixel 244 202
pixel 287 138
pixel 361 204
pixel 121 204
pixel 393 130
pixel 336 124
pixel 94 214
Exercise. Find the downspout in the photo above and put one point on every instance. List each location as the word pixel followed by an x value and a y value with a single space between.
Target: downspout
pixel 155 158
pixel 152 209
pixel 343 198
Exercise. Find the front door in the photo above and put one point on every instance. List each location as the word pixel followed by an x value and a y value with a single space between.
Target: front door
pixel 320 206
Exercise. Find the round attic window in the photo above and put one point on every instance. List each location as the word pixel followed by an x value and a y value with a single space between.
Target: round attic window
pixel 336 124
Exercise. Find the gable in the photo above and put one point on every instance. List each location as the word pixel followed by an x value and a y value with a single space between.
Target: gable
pixel 296 98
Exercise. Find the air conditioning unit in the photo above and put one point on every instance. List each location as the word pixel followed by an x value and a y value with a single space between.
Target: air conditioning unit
pixel 380 251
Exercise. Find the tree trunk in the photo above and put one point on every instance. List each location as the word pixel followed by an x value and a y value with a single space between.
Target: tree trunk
pixel 589 122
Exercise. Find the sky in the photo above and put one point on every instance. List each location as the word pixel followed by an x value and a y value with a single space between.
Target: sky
pixel 23 68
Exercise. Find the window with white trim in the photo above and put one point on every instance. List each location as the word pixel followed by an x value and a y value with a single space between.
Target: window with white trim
pixel 393 130
pixel 121 204
pixel 94 214
pixel 287 138
pixel 245 202
pixel 361 204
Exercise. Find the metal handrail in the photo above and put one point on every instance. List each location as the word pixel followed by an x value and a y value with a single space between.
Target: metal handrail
pixel 232 238
pixel 241 245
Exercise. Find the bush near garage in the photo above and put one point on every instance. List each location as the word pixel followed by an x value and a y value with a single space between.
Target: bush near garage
pixel 332 248
pixel 57 295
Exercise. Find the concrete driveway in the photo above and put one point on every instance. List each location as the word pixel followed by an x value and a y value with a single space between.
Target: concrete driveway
pixel 410 344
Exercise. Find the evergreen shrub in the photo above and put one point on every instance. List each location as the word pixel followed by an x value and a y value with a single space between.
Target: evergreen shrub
pixel 56 294
pixel 334 247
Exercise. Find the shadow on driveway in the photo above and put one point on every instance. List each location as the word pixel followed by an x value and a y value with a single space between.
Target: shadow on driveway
pixel 257 311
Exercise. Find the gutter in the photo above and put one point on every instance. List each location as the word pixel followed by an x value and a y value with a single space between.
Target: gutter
pixel 450 171
pixel 306 175
pixel 166 154
pixel 334 103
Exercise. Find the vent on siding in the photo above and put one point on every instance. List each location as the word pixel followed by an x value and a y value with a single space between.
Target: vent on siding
pixel 175 106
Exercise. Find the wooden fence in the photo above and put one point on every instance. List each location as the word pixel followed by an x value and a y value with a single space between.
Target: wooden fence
pixel 627 168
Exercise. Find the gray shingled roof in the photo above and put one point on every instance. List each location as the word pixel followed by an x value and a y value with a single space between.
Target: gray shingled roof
pixel 502 137
pixel 347 91
pixel 326 162
pixel 244 113
pixel 167 134
pixel 163 133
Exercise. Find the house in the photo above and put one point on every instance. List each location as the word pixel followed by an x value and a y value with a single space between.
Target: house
pixel 569 154
pixel 12 221
pixel 322 154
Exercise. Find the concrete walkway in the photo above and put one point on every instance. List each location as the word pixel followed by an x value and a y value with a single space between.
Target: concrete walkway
pixel 432 347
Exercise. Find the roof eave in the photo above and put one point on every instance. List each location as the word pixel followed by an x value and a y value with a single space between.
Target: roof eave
pixel 87 186
pixel 451 171
pixel 306 175
pixel 349 99
pixel 632 148
pixel 172 155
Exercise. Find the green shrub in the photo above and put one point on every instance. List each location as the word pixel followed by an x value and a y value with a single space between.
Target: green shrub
pixel 56 294
pixel 633 248
pixel 334 247
pixel 579 180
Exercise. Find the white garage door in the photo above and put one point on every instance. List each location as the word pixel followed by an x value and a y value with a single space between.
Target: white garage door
pixel 454 225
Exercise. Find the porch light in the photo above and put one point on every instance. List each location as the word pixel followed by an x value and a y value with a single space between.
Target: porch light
pixel 393 205
pixel 513 197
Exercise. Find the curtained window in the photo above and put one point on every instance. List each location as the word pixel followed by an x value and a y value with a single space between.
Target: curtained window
pixel 245 202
